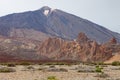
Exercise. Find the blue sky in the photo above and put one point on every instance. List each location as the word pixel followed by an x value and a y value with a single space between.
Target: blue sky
pixel 103 12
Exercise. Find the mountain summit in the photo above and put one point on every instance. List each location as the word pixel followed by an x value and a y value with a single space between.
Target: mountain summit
pixel 46 10
pixel 47 22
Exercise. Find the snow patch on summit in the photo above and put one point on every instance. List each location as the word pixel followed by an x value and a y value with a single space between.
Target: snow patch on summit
pixel 46 12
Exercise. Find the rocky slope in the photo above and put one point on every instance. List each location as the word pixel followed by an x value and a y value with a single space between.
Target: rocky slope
pixel 57 49
pixel 17 49
pixel 47 22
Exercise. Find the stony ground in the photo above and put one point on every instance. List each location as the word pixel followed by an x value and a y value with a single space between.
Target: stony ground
pixel 41 72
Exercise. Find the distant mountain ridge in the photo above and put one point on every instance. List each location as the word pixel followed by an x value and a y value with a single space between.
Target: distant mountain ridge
pixel 46 22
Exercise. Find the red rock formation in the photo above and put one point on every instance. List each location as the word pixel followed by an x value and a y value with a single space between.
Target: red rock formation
pixel 82 38
pixel 80 50
pixel 51 46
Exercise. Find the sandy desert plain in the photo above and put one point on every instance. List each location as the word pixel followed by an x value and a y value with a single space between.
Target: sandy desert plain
pixel 59 72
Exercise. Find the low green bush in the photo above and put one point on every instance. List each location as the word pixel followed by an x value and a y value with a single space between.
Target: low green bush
pixel 115 63
pixel 98 69
pixel 63 70
pixel 52 78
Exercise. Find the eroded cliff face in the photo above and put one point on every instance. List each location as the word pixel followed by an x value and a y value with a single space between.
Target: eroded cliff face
pixel 51 47
pixel 82 49
pixel 114 48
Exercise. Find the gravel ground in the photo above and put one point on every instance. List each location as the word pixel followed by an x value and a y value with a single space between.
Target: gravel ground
pixel 22 73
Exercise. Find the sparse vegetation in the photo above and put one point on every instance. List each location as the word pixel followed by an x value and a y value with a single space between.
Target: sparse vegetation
pixel 40 69
pixel 115 63
pixel 11 65
pixel 98 69
pixel 63 70
pixel 56 63
pixel 30 67
pixel 6 70
pixel 8 64
pixel 52 78
pixel 86 70
pixel 52 66
pixel 57 70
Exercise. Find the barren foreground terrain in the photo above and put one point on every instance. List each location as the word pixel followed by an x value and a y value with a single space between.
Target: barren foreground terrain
pixel 60 72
